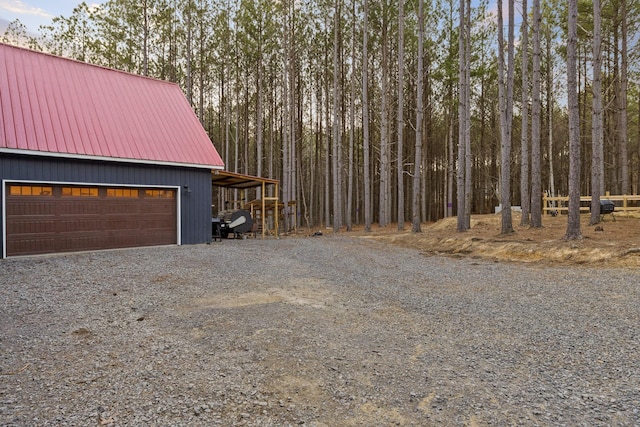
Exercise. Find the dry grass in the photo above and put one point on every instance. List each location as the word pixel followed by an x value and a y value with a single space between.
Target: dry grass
pixel 610 243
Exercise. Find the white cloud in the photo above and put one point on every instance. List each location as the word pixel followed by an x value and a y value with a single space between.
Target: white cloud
pixel 94 6
pixel 21 8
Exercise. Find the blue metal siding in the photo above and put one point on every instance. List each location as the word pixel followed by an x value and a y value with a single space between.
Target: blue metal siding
pixel 195 210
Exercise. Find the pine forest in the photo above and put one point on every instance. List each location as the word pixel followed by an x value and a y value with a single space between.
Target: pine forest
pixel 391 112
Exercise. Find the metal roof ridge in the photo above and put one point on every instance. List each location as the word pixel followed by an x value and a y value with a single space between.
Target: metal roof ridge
pixel 89 64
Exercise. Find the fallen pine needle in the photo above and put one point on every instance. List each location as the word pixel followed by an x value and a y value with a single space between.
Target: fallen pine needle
pixel 19 370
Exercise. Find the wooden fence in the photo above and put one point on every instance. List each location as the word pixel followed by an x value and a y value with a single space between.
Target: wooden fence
pixel 559 204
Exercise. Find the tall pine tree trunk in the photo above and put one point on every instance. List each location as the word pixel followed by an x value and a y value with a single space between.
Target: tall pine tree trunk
pixel 286 107
pixel 525 200
pixel 536 173
pixel 462 108
pixel 189 30
pixel 385 170
pixel 467 120
pixel 337 114
pixel 622 102
pixel 145 38
pixel 400 156
pixel 573 220
pixel 365 119
pixel 505 89
pixel 552 184
pixel 352 124
pixel 417 162
pixel 327 161
pixel 450 160
pixel 259 118
pixel 597 136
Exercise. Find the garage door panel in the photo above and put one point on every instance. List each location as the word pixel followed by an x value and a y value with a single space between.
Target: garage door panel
pixel 32 208
pixel 31 225
pixel 73 219
pixel 31 243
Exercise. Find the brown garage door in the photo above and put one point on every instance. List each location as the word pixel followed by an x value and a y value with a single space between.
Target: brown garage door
pixel 64 218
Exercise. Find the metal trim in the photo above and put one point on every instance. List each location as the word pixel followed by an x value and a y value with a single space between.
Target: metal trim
pixel 105 159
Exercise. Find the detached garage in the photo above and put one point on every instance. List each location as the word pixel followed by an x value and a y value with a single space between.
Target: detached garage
pixel 93 158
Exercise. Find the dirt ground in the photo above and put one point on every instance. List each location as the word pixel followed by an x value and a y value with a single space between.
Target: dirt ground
pixel 615 242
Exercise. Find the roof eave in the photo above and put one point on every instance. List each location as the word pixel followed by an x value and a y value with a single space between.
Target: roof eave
pixel 108 159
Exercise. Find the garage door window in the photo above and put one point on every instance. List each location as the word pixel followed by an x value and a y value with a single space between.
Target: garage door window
pixel 160 194
pixel 30 190
pixel 80 191
pixel 122 192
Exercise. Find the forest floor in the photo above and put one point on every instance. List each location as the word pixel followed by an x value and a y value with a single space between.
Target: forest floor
pixel 615 242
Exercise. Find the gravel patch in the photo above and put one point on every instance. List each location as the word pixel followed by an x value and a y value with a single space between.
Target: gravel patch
pixel 314 331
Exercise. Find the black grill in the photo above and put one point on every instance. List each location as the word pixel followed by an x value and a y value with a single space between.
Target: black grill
pixel 606 207
pixel 236 221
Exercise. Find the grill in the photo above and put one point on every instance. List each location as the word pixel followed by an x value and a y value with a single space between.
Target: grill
pixel 236 221
pixel 606 207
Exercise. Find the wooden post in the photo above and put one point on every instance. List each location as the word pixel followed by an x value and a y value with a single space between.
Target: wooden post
pixel 277 213
pixel 264 207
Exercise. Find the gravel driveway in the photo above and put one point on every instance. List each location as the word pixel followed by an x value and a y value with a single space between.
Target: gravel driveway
pixel 325 331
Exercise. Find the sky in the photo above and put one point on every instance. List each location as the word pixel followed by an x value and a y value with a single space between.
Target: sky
pixel 34 13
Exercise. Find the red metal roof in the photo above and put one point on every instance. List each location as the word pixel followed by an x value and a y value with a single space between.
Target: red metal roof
pixel 61 107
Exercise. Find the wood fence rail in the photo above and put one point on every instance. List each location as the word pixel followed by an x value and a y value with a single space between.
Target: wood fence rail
pixel 559 204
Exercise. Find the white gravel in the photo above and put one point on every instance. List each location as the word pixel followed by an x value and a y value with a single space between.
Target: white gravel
pixel 325 331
